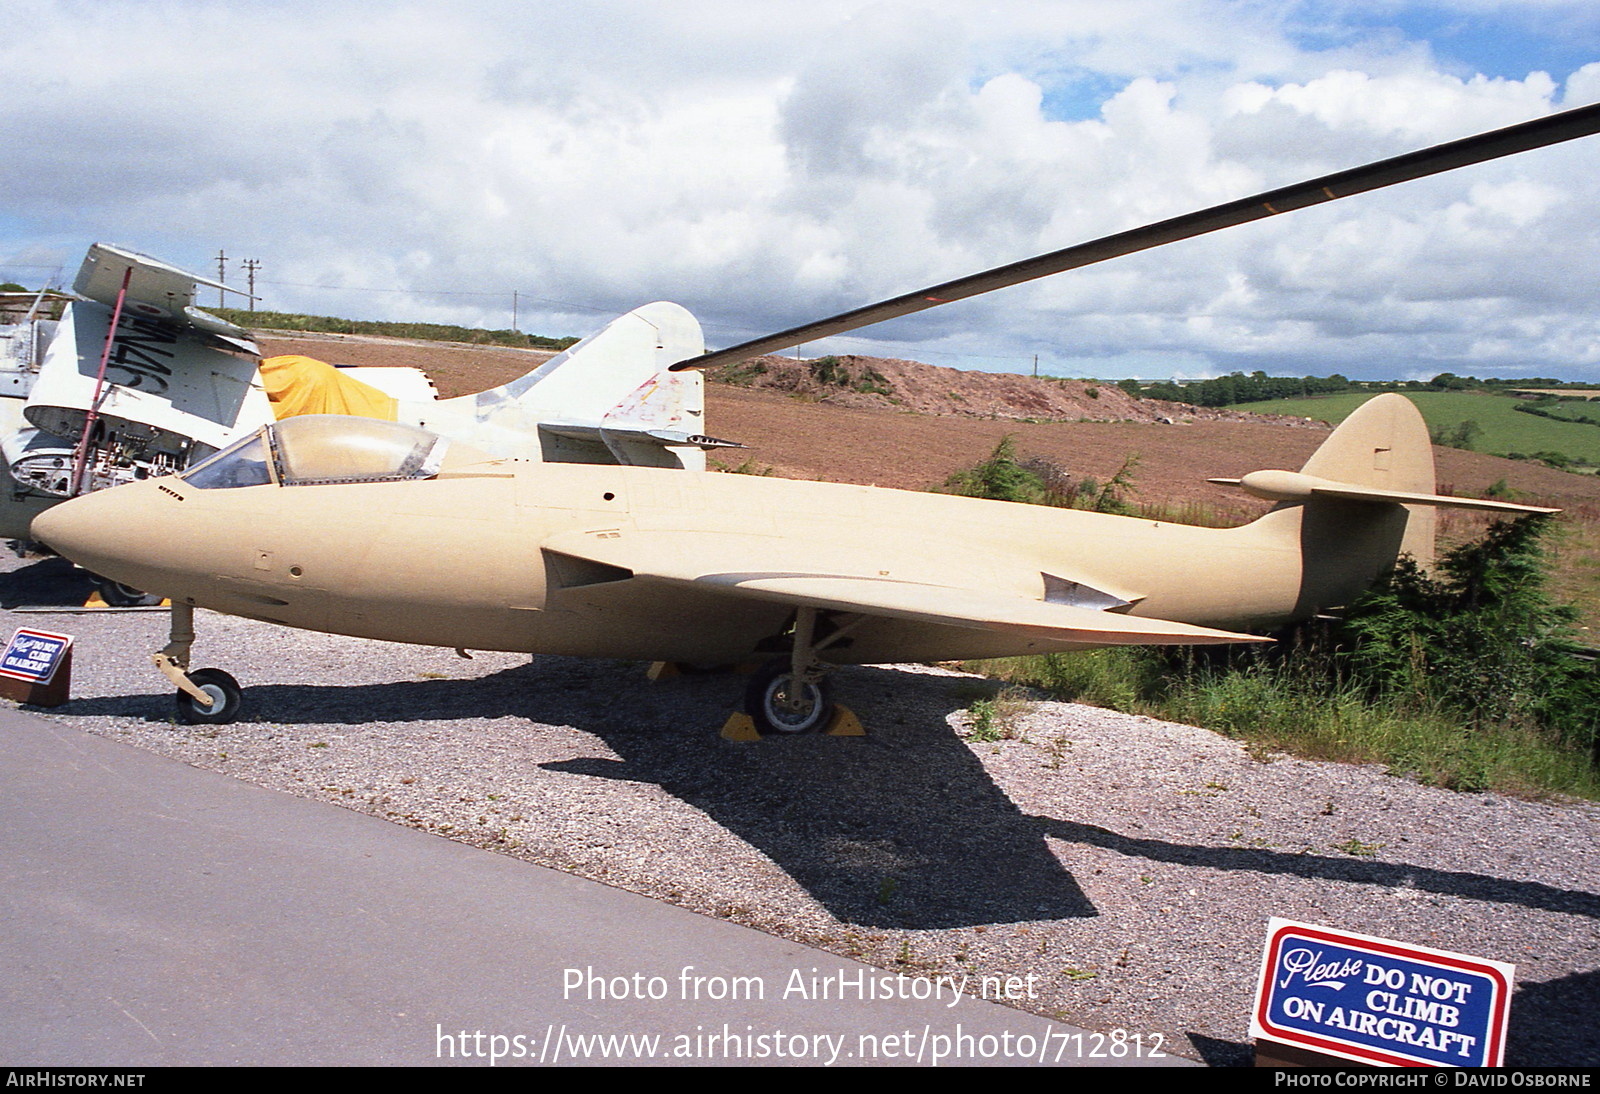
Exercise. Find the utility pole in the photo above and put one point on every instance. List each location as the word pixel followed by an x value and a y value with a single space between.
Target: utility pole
pixel 513 311
pixel 1036 366
pixel 222 275
pixel 251 265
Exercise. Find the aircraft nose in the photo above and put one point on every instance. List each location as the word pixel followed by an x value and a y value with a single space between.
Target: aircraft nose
pixel 105 532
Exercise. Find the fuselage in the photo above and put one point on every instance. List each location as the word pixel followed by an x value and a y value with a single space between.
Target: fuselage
pixel 563 558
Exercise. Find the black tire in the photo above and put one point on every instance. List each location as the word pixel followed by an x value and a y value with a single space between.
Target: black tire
pixel 767 702
pixel 121 596
pixel 226 695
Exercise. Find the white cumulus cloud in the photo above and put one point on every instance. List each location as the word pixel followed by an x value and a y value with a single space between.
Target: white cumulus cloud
pixel 768 164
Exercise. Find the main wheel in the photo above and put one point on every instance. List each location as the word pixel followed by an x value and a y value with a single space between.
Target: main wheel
pixel 117 595
pixel 227 699
pixel 777 704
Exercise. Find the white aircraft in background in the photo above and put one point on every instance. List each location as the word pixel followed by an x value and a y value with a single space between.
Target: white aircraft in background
pixel 82 409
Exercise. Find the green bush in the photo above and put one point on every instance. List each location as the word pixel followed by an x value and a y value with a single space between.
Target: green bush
pixel 1000 478
pixel 1462 435
pixel 1482 638
pixel 1005 477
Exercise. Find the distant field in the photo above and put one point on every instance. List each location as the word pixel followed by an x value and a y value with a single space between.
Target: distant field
pixel 1504 430
pixel 1568 392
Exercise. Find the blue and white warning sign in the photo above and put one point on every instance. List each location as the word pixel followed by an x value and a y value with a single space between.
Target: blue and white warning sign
pixel 1380 1002
pixel 34 655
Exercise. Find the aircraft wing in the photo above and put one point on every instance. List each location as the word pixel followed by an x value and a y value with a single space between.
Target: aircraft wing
pixel 156 290
pixel 971 608
pixel 172 371
pixel 168 379
pixel 935 605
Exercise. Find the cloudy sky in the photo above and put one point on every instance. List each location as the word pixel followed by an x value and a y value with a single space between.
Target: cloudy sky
pixel 766 162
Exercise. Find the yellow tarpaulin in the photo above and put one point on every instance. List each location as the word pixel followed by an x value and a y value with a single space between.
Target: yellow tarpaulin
pixel 303 385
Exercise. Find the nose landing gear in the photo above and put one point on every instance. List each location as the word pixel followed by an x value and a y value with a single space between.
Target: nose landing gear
pixel 205 696
pixel 227 699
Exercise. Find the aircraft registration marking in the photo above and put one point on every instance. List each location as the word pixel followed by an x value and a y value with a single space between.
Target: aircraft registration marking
pixel 136 352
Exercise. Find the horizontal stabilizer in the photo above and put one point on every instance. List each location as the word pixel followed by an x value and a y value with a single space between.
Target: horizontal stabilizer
pixel 590 431
pixel 1298 486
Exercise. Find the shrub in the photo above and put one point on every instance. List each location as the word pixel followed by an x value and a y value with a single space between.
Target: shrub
pixel 1036 481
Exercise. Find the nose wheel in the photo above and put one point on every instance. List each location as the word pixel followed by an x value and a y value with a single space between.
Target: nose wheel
pixel 205 696
pixel 227 699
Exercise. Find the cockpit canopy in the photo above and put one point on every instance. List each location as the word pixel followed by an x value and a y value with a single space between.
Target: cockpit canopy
pixel 319 449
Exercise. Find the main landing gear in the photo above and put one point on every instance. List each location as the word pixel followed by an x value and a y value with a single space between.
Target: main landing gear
pixel 117 595
pixel 790 695
pixel 205 696
pixel 780 700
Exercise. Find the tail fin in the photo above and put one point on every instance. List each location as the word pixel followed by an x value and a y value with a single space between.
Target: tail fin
pixel 608 399
pixel 1363 499
pixel 1385 445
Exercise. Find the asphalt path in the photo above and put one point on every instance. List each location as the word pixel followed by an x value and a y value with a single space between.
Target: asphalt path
pixel 155 914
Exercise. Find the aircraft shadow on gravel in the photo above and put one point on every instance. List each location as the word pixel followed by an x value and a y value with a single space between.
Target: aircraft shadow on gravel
pixel 903 828
pixel 1552 1023
pixel 1528 894
pixel 45 582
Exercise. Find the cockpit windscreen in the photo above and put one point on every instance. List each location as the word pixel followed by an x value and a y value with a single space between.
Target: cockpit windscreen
pixel 318 449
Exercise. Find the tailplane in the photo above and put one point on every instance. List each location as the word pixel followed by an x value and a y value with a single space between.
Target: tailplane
pixel 1364 498
pixel 1380 454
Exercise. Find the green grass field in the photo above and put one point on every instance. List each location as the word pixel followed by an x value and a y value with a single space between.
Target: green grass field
pixel 1504 430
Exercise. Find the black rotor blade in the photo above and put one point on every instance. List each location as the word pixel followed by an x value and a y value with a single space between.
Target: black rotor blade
pixel 1553 129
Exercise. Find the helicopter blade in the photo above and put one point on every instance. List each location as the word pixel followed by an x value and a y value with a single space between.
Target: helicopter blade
pixel 1539 133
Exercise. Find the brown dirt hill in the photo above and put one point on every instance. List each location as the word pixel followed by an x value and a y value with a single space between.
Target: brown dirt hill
pixel 849 381
pixel 885 382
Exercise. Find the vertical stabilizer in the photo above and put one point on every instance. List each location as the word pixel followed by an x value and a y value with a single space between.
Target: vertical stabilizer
pixel 1363 499
pixel 608 399
pixel 1385 444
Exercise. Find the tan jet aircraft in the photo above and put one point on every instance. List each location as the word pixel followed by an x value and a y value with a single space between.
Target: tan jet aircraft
pixel 385 530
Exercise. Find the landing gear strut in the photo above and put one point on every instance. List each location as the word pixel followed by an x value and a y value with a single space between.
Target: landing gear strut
pixel 205 696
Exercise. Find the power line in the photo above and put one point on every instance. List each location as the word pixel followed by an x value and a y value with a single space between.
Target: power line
pixel 251 265
pixel 518 296
pixel 439 292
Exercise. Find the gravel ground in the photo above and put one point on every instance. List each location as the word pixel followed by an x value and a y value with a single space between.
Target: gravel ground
pixel 1129 864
